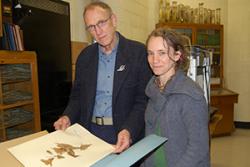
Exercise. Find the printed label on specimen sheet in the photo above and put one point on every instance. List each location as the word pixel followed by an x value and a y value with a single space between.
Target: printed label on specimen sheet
pixel 73 147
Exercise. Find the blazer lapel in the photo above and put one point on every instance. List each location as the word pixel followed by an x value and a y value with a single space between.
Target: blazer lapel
pixel 90 79
pixel 122 68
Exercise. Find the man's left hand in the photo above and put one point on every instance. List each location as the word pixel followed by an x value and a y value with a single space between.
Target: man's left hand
pixel 123 141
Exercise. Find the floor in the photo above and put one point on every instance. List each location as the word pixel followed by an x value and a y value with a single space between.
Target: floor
pixel 231 151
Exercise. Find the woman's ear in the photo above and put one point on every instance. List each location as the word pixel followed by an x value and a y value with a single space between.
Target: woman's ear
pixel 177 55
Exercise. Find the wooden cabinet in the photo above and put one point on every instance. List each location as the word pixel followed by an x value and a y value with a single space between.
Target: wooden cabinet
pixel 209 36
pixel 19 98
pixel 1 25
pixel 76 48
pixel 224 100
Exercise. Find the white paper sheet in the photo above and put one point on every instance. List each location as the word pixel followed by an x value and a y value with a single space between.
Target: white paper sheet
pixel 32 152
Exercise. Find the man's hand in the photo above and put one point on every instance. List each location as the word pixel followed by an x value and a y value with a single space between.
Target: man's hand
pixel 123 141
pixel 62 123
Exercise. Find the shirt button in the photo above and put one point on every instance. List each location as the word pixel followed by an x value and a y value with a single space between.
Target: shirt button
pixel 108 76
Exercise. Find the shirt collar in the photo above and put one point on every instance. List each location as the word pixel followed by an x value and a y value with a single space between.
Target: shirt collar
pixel 113 50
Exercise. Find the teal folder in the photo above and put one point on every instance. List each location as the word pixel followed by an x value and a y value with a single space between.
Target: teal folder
pixel 132 154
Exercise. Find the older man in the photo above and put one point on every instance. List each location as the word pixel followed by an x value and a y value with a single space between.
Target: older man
pixel 108 95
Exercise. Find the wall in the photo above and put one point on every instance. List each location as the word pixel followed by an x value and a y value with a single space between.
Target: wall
pixel 237 63
pixel 78 32
pixel 136 18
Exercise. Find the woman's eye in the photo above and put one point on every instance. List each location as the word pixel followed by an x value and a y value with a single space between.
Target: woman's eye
pixel 162 53
pixel 150 53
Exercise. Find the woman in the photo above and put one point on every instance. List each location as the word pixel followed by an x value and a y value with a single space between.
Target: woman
pixel 177 107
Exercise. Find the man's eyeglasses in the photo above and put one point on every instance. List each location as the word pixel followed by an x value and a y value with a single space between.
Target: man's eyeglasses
pixel 99 24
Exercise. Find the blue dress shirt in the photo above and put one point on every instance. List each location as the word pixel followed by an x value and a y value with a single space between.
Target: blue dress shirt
pixel 104 90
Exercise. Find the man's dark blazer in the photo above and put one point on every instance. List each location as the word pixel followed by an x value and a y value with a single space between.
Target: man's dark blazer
pixel 128 100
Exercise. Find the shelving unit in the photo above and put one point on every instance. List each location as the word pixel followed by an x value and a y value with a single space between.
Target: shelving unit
pixel 208 36
pixel 19 98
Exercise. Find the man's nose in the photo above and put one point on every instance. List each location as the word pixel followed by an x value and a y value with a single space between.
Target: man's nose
pixel 98 30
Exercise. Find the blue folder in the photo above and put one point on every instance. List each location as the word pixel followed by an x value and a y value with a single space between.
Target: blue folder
pixel 132 154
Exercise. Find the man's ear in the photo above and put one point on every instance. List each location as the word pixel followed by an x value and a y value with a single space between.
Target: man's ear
pixel 177 55
pixel 114 19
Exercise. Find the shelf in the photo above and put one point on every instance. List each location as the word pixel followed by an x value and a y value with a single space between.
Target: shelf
pixel 14 96
pixel 17 104
pixel 14 117
pixel 190 25
pixel 15 81
pixel 15 71
pixel 215 80
pixel 216 53
pixel 14 133
pixel 212 46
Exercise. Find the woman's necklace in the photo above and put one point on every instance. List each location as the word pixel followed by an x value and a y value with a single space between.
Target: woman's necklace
pixel 161 86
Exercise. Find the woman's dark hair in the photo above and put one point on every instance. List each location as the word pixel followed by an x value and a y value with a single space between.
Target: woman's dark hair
pixel 177 41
